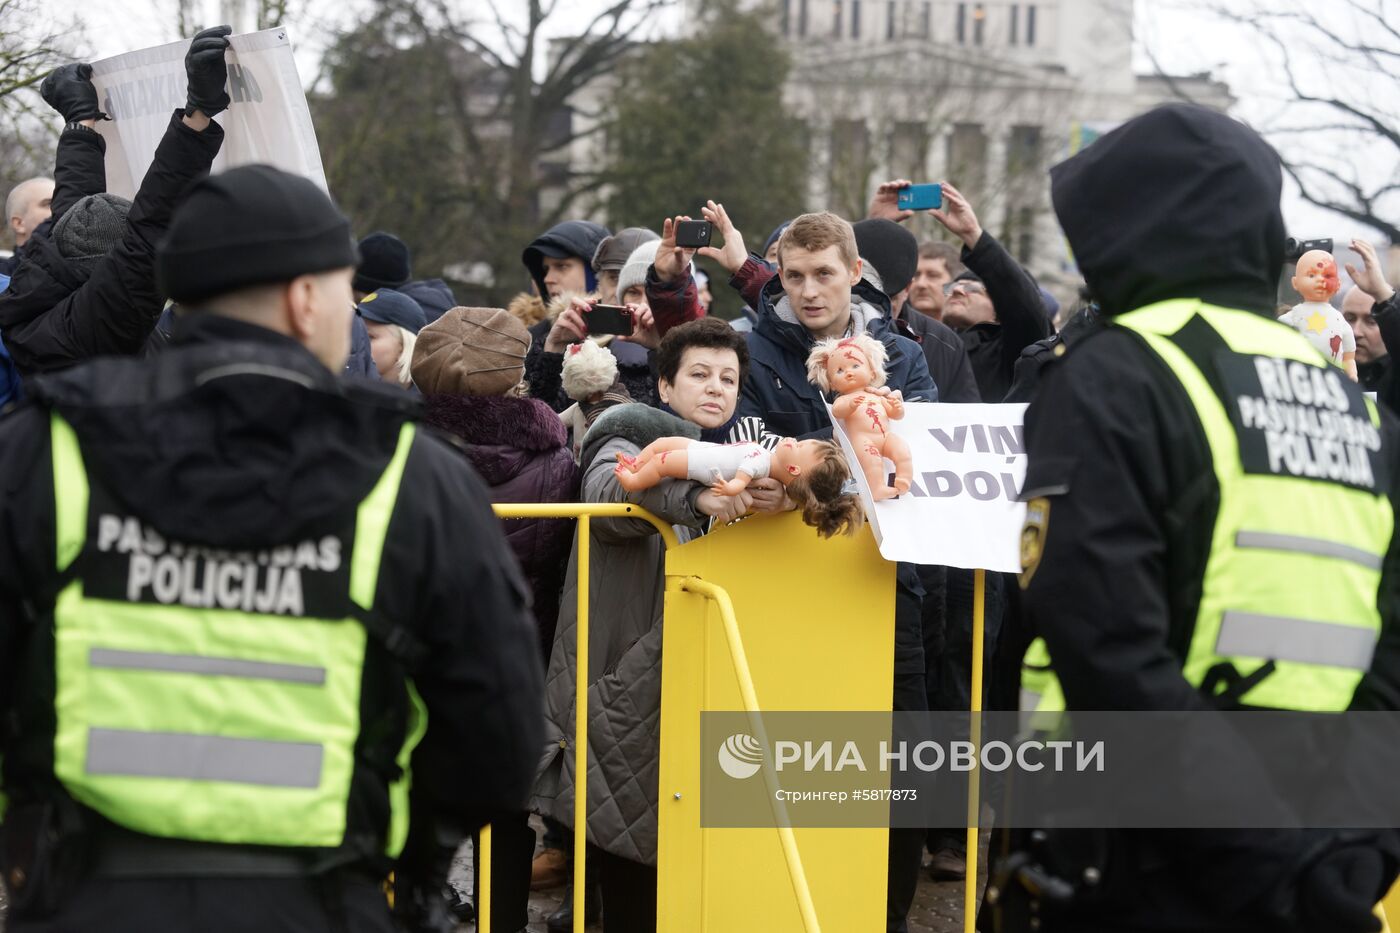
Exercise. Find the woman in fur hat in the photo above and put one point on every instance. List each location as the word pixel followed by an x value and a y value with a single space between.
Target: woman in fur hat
pixel 469 364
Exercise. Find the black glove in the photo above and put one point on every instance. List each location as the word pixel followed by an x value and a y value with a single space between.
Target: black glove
pixel 70 91
pixel 1339 891
pixel 207 71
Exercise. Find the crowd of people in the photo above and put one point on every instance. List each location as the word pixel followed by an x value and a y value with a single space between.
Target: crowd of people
pixel 245 530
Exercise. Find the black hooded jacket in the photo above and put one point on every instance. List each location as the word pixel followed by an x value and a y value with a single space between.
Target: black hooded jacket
pixel 236 438
pixel 578 238
pixel 1182 202
pixel 55 314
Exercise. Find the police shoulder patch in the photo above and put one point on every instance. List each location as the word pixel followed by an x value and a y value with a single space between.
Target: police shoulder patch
pixel 1033 537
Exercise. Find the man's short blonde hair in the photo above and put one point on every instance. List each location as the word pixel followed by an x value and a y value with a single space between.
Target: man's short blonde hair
pixel 815 232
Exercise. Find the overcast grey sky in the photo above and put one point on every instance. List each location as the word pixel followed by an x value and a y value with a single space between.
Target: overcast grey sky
pixel 1179 34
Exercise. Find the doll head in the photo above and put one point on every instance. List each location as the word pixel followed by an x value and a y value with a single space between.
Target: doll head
pixel 818 491
pixel 1315 276
pixel 847 364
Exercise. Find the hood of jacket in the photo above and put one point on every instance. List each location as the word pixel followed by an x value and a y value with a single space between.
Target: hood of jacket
pixel 434 296
pixel 1181 202
pixel 41 280
pixel 573 237
pixel 637 423
pixel 232 420
pixel 503 435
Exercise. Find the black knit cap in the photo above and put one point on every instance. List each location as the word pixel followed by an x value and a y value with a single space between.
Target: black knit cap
pixel 252 225
pixel 384 263
pixel 891 249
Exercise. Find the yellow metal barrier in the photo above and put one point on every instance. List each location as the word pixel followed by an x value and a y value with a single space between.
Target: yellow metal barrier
pixel 816 623
pixel 974 804
pixel 746 689
pixel 584 512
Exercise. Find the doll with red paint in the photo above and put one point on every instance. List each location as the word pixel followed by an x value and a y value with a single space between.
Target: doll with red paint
pixel 855 368
pixel 1315 278
pixel 814 472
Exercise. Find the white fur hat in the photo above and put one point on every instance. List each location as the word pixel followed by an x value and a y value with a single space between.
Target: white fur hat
pixel 588 370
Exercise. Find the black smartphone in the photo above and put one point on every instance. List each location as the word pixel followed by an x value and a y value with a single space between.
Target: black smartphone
pixel 608 319
pixel 693 234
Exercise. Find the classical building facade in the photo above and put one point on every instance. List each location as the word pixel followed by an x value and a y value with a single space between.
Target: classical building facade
pixel 986 95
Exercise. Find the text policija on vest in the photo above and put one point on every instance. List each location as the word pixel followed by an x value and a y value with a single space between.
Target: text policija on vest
pixel 267 581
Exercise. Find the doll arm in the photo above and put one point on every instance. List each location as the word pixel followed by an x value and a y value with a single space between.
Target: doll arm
pixel 894 405
pixel 846 405
pixel 732 487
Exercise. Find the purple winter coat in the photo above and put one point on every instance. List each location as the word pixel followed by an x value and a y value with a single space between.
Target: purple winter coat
pixel 519 446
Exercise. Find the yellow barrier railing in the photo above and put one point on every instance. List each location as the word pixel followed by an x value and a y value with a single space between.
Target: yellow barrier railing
pixel 584 513
pixel 746 689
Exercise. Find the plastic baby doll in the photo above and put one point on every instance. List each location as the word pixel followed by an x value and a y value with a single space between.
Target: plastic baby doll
pixel 814 472
pixel 1316 280
pixel 855 368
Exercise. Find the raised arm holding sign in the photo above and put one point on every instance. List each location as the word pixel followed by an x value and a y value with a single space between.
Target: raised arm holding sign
pixel 85 286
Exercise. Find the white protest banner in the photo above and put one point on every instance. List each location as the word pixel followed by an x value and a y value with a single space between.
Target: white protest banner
pixel 969 463
pixel 268 120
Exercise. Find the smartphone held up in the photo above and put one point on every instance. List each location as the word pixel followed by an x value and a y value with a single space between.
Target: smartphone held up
pixel 920 198
pixel 693 234
pixel 609 319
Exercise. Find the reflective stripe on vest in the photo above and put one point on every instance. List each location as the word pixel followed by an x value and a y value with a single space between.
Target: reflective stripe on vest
pixel 1042 699
pixel 1294 566
pixel 212 724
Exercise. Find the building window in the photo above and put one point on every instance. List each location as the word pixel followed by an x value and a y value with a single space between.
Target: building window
pixel 979 23
pixel 850 168
pixel 1023 153
pixel 961 31
pixel 1030 24
pixel 891 12
pixel 926 20
pixel 802 17
pixel 836 19
pixel 908 149
pixel 967 159
pixel 786 20
pixel 1015 22
pixel 1025 236
pixel 855 19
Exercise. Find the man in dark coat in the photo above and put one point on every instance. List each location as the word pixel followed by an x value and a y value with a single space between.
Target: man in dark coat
pixel 385 263
pixel 1130 488
pixel 894 253
pixel 560 262
pixel 241 439
pixel 27 206
pixel 994 304
pixel 85 285
pixel 819 292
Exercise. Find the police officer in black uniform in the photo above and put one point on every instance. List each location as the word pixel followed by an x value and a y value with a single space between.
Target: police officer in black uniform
pixel 252 617
pixel 1157 506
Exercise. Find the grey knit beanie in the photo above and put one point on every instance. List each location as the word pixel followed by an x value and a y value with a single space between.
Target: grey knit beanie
pixel 90 228
pixel 635 271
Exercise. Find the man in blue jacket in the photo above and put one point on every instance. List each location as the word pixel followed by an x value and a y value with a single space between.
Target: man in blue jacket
pixel 819 292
